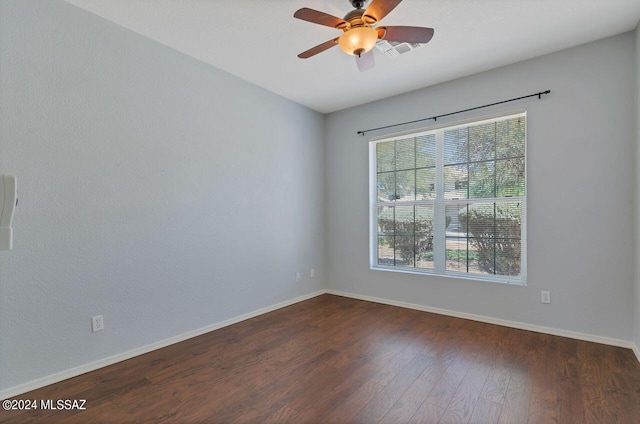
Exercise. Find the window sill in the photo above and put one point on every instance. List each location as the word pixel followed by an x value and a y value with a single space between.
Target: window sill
pixel 457 275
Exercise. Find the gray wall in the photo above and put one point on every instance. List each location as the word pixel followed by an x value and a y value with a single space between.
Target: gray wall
pixel 636 335
pixel 154 189
pixel 581 144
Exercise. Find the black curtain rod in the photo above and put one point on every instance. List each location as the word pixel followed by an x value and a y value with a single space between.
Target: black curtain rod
pixel 435 118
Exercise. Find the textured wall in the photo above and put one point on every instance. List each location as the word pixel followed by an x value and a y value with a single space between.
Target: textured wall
pixel 636 336
pixel 581 182
pixel 158 191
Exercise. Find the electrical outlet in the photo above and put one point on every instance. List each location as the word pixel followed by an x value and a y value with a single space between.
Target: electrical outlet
pixel 312 273
pixel 97 323
pixel 298 278
pixel 545 296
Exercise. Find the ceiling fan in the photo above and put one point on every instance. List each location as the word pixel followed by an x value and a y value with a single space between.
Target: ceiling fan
pixel 360 34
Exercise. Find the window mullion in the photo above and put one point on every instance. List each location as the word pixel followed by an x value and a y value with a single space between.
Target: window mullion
pixel 439 212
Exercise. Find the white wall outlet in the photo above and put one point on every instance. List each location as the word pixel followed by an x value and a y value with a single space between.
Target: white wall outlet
pixel 545 296
pixel 298 278
pixel 97 323
pixel 312 273
pixel 8 202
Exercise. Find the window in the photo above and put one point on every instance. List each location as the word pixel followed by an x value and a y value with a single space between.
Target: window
pixel 451 201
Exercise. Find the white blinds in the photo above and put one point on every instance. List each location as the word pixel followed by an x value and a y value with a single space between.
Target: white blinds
pixel 452 200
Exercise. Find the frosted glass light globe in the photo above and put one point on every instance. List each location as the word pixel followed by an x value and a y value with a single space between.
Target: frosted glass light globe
pixel 357 41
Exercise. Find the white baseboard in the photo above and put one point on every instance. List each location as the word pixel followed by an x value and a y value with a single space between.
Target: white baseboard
pixel 496 321
pixel 636 351
pixel 82 369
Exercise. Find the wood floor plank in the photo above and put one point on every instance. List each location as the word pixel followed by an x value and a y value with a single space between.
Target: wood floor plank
pixel 443 391
pixel 320 401
pixel 627 408
pixel 409 402
pixel 570 394
pixel 465 398
pixel 282 415
pixel 427 414
pixel 302 386
pixel 515 408
pixel 496 385
pixel 376 409
pixel 332 359
pixel 543 406
pixel 591 361
pixel 388 372
pixel 485 412
pixel 354 402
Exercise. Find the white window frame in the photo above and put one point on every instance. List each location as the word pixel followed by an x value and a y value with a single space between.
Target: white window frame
pixel 439 204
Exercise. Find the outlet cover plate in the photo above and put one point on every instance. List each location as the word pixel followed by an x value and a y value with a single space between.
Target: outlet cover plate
pixel 545 296
pixel 97 323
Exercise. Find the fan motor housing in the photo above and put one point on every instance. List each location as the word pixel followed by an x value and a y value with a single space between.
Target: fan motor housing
pixel 356 18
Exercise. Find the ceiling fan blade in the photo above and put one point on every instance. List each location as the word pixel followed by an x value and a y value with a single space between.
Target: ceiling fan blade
pixel 318 17
pixel 405 34
pixel 365 61
pixel 318 49
pixel 378 9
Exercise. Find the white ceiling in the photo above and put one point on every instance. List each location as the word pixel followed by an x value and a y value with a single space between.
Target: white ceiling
pixel 259 40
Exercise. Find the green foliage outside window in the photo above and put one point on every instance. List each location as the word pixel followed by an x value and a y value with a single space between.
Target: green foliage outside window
pixel 494 231
pixel 410 231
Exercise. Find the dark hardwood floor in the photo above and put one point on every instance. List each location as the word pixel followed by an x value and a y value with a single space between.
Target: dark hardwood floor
pixel 338 360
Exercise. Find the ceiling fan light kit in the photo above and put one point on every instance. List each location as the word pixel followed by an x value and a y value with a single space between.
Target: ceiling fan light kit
pixel 357 41
pixel 359 32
